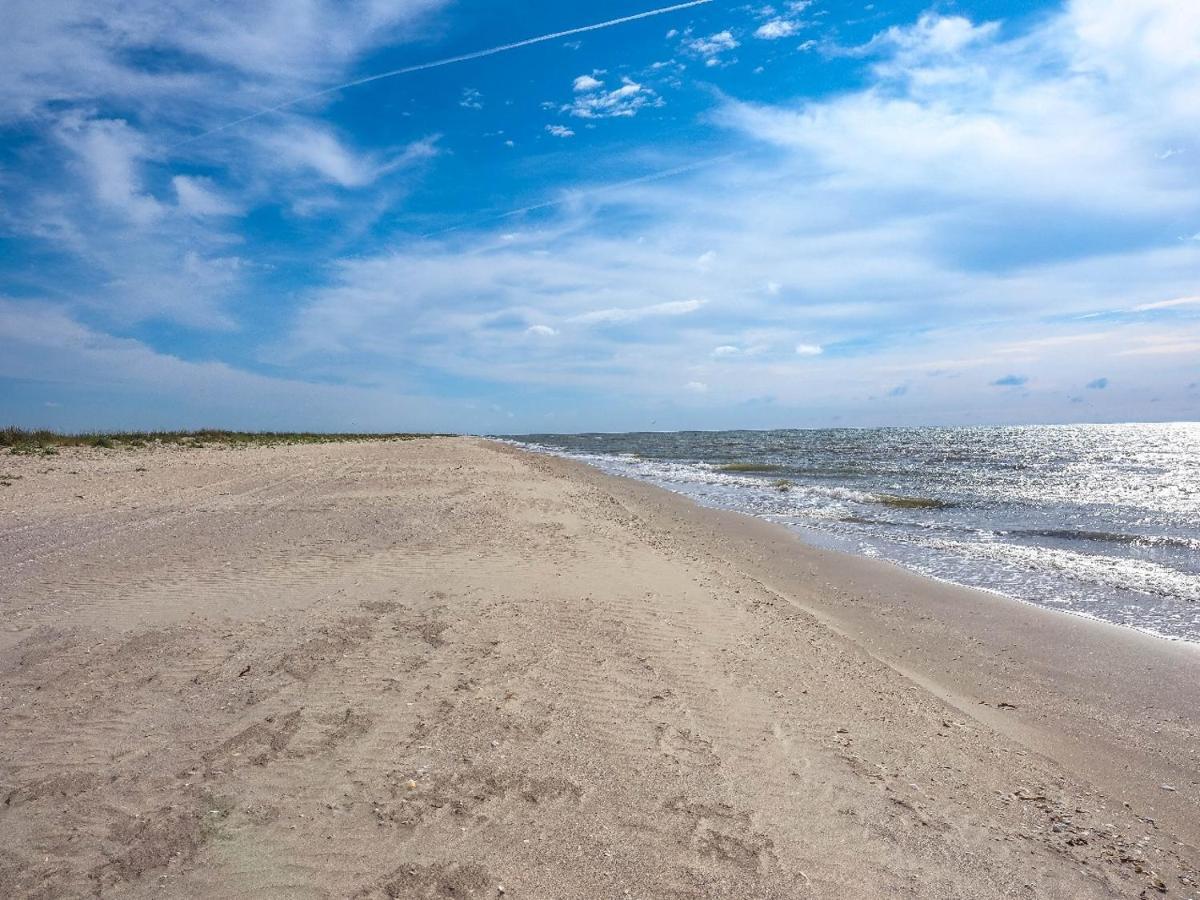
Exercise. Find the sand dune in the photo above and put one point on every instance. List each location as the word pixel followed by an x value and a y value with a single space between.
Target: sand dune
pixel 447 668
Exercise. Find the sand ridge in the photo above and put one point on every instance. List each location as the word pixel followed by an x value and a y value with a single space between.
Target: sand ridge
pixel 449 668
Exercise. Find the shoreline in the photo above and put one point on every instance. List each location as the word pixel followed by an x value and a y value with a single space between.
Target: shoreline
pixel 815 544
pixel 438 667
pixel 1010 622
pixel 990 592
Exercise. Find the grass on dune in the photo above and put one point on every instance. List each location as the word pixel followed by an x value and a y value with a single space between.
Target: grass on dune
pixel 47 443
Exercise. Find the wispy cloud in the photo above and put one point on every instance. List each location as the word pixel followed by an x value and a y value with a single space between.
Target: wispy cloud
pixel 198 196
pixel 318 151
pixel 145 235
pixel 624 316
pixel 144 388
pixel 1168 304
pixel 110 153
pixel 77 51
pixel 1164 345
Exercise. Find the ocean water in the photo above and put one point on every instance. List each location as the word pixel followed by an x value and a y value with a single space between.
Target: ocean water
pixel 1096 520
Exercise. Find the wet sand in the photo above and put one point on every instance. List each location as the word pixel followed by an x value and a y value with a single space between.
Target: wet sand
pixel 449 668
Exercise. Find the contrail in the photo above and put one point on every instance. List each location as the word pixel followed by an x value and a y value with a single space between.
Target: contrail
pixel 449 61
pixel 583 195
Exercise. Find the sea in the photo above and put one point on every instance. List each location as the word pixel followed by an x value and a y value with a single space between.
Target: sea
pixel 1094 520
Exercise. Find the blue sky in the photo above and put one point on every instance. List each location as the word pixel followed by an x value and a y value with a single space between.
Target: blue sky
pixel 729 215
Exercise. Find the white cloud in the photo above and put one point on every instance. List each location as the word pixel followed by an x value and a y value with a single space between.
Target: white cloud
pixel 932 36
pixel 197 196
pixel 622 316
pixel 776 29
pixel 926 221
pixel 958 116
pixel 110 154
pixel 306 149
pixel 120 204
pixel 713 45
pixel 1164 345
pixel 696 387
pixel 149 389
pixel 1168 304
pixel 622 102
pixel 809 350
pixel 315 149
pixel 232 55
pixel 541 331
pixel 143 255
pixel 569 273
pixel 188 287
pixel 471 99
pixel 712 49
pixel 1145 50
pixel 587 83
pixel 560 131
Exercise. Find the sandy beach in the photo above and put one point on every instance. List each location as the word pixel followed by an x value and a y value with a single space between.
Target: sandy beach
pixel 452 668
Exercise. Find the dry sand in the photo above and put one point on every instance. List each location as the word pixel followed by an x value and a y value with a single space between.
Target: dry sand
pixel 448 668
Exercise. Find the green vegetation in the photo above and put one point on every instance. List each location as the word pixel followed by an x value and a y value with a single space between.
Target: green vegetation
pixel 749 467
pixel 898 502
pixel 46 443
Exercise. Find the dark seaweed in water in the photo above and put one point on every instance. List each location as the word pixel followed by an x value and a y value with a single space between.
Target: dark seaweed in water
pixel 750 467
pixel 912 502
pixel 1102 520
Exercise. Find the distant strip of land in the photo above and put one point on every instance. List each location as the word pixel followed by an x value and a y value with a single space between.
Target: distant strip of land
pixel 344 666
pixel 46 442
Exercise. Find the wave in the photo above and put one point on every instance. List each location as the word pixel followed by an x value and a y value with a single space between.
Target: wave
pixel 1137 575
pixel 1110 537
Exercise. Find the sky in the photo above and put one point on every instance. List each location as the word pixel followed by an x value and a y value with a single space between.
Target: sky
pixel 795 214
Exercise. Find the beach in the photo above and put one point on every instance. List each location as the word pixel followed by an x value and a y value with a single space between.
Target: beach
pixel 453 668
